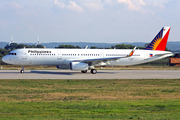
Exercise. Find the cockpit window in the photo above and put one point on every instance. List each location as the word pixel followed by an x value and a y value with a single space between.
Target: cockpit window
pixel 12 54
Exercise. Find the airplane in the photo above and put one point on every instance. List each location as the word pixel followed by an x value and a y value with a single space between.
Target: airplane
pixel 85 59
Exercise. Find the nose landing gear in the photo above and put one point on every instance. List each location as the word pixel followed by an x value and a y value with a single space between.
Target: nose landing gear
pixel 22 70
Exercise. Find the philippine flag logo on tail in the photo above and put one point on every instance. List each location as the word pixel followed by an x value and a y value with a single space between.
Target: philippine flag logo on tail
pixel 160 41
pixel 150 55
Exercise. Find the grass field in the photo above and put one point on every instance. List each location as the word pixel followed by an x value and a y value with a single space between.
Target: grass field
pixel 90 99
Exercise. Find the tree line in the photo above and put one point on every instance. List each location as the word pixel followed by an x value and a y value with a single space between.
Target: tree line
pixel 118 46
pixel 14 46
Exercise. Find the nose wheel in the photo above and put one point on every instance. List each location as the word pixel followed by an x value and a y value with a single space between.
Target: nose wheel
pixel 22 71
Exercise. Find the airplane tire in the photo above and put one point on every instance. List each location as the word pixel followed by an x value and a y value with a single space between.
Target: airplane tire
pixel 84 71
pixel 22 71
pixel 93 71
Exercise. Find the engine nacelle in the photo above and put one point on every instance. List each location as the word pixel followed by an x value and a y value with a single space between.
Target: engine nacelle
pixel 79 66
pixel 62 66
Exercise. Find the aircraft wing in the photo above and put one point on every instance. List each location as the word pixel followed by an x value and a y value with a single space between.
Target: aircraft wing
pixel 99 60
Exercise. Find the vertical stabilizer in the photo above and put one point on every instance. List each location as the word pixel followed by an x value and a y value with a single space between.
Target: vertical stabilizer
pixel 160 41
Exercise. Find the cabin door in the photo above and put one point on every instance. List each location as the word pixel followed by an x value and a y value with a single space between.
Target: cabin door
pixel 24 56
pixel 59 55
pixel 146 55
pixel 102 55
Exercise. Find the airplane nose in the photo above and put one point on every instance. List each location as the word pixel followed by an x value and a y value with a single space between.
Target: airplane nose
pixel 4 59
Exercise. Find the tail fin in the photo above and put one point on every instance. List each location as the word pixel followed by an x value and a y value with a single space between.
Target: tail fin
pixel 160 41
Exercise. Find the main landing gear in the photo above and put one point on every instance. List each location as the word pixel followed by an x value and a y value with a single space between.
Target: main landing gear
pixel 22 70
pixel 93 71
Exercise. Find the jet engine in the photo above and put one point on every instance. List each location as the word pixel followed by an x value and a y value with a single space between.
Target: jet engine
pixel 79 66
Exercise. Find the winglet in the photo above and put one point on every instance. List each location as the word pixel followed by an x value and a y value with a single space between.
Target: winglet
pixel 132 52
pixel 86 47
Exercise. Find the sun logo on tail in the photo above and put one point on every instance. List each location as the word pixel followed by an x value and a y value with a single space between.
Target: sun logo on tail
pixel 156 41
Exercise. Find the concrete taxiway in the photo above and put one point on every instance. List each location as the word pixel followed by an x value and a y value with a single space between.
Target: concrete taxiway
pixel 102 74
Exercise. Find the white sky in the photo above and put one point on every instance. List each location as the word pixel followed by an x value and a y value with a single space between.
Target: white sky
pixel 111 21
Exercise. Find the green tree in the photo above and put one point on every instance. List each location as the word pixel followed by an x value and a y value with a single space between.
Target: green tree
pixel 94 47
pixel 33 46
pixel 3 52
pixel 140 48
pixel 11 46
pixel 123 46
pixel 20 46
pixel 78 47
pixel 67 46
pixel 40 46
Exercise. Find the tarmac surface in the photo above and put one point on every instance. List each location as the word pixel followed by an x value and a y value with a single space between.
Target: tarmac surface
pixel 101 74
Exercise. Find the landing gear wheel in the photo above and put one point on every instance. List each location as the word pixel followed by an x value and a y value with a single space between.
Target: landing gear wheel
pixel 22 70
pixel 93 71
pixel 84 71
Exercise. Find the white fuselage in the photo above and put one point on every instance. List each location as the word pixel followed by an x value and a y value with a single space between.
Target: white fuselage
pixel 65 56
